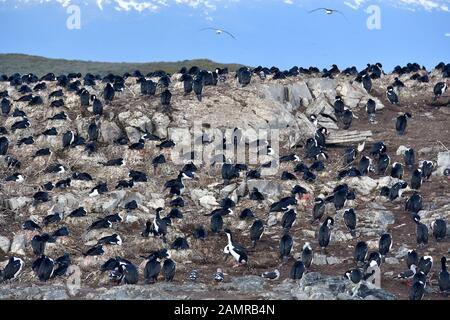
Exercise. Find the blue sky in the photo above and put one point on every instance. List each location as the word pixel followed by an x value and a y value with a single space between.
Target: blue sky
pixel 268 32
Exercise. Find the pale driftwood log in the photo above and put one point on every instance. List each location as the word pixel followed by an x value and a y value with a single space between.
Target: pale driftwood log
pixel 347 137
pixel 327 123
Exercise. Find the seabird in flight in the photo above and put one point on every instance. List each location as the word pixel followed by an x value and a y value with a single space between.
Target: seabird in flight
pixel 219 31
pixel 328 11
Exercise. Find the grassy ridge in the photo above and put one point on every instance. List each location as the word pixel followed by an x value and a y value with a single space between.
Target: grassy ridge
pixel 22 63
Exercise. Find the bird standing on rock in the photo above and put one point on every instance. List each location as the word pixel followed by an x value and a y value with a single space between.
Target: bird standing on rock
pixel 402 122
pixel 421 231
pixel 152 268
pixel 385 244
pixel 350 221
pixel 168 269
pixel 325 233
pixel 108 93
pixel 256 231
pixel 166 97
pixel 391 95
pixel 444 277
pixel 439 228
pixel 360 252
pixel 371 110
pixel 439 89
pixel 198 88
pixel 297 270
pixel 367 83
pixel 307 255
pixel 318 210
pixel 236 251
pixel 286 244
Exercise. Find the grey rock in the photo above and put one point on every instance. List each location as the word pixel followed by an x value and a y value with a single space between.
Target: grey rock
pixel 305 126
pixel 18 244
pixel 65 201
pixel 208 202
pixel 321 106
pixel 244 284
pixel 109 131
pixel 58 293
pixel 366 290
pixel 275 91
pixel 391 260
pixel 320 259
pixel 364 185
pixel 340 236
pixel 443 162
pixel 299 94
pixel 272 220
pixel 5 244
pixel 322 85
pixel 135 119
pixel 227 190
pixel 334 260
pixel 401 150
pixel 18 202
pixel 133 134
pixel 161 122
pixel 135 196
pixel 268 188
pixel 425 151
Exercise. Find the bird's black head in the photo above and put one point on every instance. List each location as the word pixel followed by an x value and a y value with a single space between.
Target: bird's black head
pixel 163 254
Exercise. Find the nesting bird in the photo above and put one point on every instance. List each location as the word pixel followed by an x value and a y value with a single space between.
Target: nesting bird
pixel 402 122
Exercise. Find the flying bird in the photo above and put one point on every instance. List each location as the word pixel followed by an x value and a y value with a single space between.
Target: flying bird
pixel 328 11
pixel 219 32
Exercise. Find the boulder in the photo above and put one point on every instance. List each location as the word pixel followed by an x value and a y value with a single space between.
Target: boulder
pixel 18 202
pixel 4 244
pixel 18 244
pixel 268 188
pixel 322 85
pixel 443 162
pixel 299 94
pixel 208 202
pixel 321 106
pixel 363 185
pixel 109 131
pixel 160 122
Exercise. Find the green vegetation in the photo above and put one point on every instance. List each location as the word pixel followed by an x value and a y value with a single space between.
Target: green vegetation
pixel 22 63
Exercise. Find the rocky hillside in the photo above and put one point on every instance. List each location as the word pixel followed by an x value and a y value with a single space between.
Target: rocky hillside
pixel 22 63
pixel 285 104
